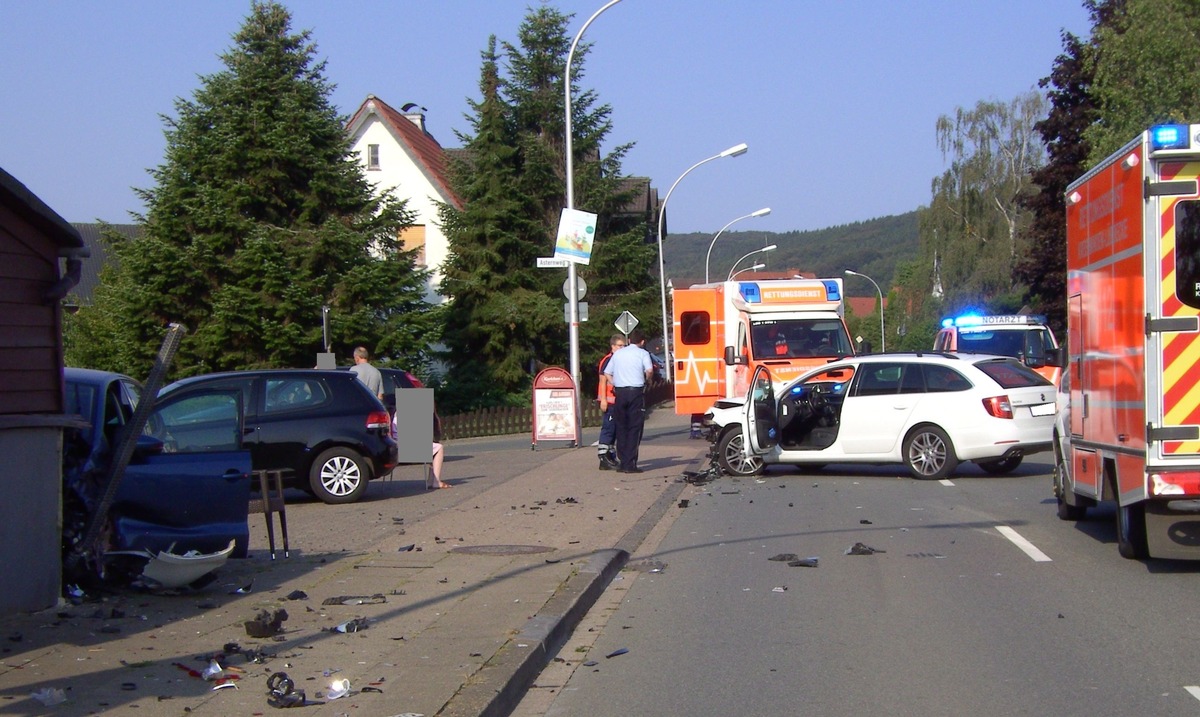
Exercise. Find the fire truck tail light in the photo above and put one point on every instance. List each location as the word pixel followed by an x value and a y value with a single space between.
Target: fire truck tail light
pixel 1175 483
pixel 998 406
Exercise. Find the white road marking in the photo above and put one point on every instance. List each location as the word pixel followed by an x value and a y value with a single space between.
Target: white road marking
pixel 946 481
pixel 1193 691
pixel 1029 548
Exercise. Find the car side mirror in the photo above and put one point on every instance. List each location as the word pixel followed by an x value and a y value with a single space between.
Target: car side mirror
pixel 1056 357
pixel 147 446
pixel 732 358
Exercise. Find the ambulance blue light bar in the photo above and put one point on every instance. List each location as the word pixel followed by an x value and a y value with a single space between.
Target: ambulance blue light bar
pixel 979 320
pixel 1170 136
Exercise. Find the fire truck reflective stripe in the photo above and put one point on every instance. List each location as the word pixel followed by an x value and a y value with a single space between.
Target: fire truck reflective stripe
pixel 1115 258
pixel 1180 351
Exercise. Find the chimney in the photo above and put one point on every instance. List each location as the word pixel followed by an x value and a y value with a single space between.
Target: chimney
pixel 415 113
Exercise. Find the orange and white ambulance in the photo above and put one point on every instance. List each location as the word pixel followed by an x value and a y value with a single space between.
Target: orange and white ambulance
pixel 1133 342
pixel 1022 336
pixel 723 331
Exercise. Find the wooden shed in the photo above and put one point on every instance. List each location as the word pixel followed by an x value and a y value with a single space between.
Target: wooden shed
pixel 40 259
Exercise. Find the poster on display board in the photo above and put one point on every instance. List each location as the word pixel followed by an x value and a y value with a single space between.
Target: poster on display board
pixel 554 407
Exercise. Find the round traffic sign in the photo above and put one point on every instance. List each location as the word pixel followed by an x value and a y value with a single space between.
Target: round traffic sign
pixel 582 288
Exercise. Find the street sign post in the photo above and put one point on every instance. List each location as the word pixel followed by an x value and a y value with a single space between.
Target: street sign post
pixel 551 262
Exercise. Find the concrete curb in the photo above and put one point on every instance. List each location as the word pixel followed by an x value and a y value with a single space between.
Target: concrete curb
pixel 500 685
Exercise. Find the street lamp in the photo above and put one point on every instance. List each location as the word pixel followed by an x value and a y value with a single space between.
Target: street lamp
pixel 882 335
pixel 734 151
pixel 572 275
pixel 756 267
pixel 760 213
pixel 765 249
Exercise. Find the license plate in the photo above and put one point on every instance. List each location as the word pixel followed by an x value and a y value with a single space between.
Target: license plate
pixel 1042 409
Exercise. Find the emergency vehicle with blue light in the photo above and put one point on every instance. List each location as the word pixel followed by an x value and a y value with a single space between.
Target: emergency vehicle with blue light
pixel 1133 342
pixel 1021 336
pixel 723 331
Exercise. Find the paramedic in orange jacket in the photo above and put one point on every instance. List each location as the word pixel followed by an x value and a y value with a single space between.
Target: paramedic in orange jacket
pixel 608 398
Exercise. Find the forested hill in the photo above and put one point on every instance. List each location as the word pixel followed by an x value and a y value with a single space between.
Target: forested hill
pixel 874 247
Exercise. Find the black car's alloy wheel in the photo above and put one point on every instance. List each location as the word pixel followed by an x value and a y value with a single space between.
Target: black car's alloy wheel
pixel 339 476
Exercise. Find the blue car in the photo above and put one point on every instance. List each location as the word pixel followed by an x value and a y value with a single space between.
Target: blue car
pixel 174 495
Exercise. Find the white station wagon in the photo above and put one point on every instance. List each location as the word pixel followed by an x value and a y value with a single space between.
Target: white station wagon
pixel 929 411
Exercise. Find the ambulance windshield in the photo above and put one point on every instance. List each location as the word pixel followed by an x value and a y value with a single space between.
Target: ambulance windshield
pixel 799 338
pixel 1013 342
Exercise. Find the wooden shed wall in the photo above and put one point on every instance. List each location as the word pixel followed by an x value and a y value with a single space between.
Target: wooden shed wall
pixel 30 351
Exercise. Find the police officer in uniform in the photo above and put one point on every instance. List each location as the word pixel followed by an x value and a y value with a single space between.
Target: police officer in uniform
pixel 629 369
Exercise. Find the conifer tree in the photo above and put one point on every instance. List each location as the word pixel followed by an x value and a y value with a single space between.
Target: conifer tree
pixel 505 317
pixel 498 307
pixel 259 217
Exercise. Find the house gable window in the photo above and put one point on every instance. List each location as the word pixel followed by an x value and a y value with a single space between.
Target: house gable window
pixel 372 156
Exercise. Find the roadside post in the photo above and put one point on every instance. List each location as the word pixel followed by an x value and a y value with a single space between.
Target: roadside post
pixel 554 404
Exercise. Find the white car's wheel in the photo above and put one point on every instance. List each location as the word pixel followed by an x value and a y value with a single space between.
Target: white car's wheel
pixel 732 458
pixel 929 454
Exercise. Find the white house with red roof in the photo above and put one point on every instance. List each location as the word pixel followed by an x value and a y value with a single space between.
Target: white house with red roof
pixel 398 153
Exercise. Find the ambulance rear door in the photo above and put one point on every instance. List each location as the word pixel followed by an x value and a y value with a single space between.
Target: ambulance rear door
pixel 1173 307
pixel 699 349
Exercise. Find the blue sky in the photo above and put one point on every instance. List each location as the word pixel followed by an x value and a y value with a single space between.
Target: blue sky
pixel 836 100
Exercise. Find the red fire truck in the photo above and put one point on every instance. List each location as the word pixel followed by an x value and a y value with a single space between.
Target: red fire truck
pixel 1131 433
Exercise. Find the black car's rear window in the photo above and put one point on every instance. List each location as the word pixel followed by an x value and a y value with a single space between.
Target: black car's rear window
pixel 1010 373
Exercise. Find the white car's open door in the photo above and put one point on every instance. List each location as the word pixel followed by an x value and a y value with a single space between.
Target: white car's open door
pixel 761 427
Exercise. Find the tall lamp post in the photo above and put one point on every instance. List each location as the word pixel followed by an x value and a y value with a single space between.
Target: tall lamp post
pixel 760 213
pixel 755 267
pixel 572 275
pixel 733 151
pixel 771 247
pixel 882 335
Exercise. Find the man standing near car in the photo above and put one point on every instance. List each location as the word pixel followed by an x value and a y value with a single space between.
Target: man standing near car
pixel 367 373
pixel 629 369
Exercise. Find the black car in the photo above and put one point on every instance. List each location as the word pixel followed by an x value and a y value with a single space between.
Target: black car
pixel 325 427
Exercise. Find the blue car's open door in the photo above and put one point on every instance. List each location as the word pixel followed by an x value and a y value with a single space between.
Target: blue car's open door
pixel 187 486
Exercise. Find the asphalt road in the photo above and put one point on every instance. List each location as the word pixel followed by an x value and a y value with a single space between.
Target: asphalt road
pixel 979 602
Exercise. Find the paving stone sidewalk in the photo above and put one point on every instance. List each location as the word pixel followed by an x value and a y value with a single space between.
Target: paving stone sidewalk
pixel 459 596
